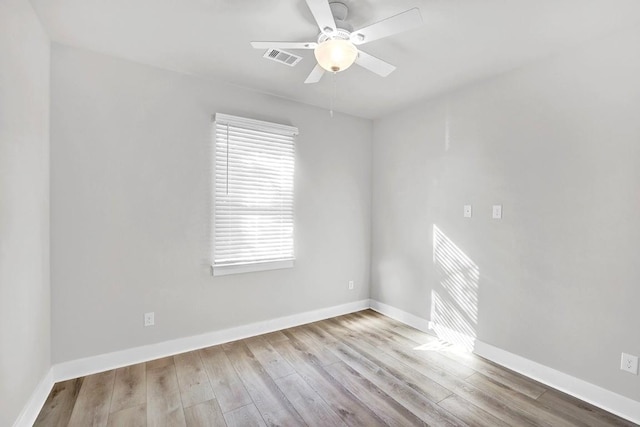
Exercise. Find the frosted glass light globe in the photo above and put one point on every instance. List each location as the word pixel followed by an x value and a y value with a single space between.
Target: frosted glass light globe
pixel 336 55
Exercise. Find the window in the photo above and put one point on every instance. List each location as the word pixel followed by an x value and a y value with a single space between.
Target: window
pixel 253 195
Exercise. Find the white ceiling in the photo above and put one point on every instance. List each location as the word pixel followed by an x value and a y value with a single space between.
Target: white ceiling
pixel 461 41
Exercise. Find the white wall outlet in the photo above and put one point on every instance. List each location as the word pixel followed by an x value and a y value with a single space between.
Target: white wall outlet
pixel 350 285
pixel 467 211
pixel 497 211
pixel 629 363
pixel 149 319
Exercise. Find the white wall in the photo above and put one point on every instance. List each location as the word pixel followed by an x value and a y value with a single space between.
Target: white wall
pixel 131 156
pixel 558 145
pixel 24 207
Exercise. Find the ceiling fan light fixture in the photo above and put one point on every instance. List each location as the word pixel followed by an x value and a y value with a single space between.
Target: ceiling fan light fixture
pixel 336 55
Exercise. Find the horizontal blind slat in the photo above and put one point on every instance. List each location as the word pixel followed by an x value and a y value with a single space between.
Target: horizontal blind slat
pixel 239 141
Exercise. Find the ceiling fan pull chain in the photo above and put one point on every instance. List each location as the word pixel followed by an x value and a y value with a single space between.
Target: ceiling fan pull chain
pixel 333 93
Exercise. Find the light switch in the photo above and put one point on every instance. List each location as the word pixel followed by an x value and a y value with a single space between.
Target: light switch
pixel 467 211
pixel 497 211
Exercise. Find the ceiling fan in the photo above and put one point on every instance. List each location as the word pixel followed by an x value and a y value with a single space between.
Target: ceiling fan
pixel 335 48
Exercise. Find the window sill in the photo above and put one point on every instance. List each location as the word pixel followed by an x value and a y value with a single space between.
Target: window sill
pixel 249 268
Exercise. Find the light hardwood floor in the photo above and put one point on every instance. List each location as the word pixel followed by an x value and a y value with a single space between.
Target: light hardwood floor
pixel 362 369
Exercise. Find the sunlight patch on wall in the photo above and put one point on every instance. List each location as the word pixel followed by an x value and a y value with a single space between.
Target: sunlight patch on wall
pixel 454 300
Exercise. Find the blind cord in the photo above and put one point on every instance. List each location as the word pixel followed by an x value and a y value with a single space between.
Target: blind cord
pixel 227 168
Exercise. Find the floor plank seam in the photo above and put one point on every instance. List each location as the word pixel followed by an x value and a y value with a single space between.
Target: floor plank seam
pixel 113 387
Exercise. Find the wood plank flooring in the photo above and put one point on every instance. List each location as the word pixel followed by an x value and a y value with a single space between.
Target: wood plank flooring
pixel 361 369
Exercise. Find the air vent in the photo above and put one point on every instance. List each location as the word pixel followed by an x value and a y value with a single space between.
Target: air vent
pixel 283 57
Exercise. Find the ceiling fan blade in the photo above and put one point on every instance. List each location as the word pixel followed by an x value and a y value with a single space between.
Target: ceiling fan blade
pixel 399 23
pixel 284 45
pixel 323 16
pixel 316 74
pixel 374 64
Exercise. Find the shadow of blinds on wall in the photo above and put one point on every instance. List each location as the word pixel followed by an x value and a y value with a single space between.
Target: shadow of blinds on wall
pixel 253 195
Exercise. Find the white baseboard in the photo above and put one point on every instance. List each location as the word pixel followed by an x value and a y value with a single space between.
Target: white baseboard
pixel 591 393
pixel 39 396
pixel 609 401
pixel 104 362
pixel 401 316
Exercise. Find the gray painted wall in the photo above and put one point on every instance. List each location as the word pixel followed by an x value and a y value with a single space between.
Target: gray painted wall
pixel 558 145
pixel 24 207
pixel 130 201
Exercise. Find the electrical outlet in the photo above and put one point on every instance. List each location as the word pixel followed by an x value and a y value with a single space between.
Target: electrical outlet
pixel 497 211
pixel 149 319
pixel 629 363
pixel 350 285
pixel 467 211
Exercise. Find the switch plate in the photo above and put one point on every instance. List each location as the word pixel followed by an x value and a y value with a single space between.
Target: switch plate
pixel 497 211
pixel 350 285
pixel 149 319
pixel 629 363
pixel 467 211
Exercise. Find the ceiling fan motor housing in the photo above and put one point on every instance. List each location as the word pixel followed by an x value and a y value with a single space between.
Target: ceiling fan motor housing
pixel 340 34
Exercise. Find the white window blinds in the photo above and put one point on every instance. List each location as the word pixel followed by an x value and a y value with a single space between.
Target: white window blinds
pixel 253 192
